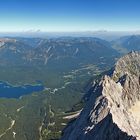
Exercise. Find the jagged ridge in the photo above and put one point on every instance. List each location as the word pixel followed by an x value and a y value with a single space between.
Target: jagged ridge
pixel 113 110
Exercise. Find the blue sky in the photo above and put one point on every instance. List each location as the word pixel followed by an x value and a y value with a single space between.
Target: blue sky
pixel 69 15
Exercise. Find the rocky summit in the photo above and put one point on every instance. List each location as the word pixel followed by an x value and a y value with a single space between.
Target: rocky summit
pixel 113 109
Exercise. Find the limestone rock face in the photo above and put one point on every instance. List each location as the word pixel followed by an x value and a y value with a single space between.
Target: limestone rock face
pixel 113 109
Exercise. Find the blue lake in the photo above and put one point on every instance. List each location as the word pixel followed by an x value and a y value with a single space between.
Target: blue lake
pixel 9 91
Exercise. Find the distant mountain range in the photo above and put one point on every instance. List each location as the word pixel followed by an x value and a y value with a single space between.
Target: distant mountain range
pixel 70 52
pixel 67 51
pixel 127 43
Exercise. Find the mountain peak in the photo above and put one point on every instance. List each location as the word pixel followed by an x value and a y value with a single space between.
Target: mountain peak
pixel 112 112
pixel 129 64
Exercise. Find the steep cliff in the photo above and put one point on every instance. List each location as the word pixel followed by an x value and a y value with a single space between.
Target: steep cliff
pixel 113 109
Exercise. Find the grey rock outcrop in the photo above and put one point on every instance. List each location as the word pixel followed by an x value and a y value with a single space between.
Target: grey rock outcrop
pixel 113 109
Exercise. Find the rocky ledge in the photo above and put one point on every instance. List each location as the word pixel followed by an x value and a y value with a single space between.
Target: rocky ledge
pixel 113 109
